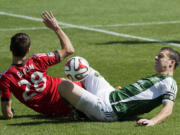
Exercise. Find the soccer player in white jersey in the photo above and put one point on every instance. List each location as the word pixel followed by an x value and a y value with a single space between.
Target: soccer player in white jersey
pixel 101 102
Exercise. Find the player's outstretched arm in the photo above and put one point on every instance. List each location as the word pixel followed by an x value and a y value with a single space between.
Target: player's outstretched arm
pixel 6 109
pixel 50 22
pixel 165 112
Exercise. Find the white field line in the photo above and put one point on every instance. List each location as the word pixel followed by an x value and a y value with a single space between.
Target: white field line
pixel 138 24
pixel 92 29
pixel 28 28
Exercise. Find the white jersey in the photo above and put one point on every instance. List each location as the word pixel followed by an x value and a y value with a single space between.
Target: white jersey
pixel 144 95
pixel 97 85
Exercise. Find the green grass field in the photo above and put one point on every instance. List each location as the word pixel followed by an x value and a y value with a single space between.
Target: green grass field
pixel 121 60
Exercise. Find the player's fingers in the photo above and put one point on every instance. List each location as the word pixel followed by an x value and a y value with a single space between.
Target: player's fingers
pixel 145 123
pixel 45 15
pixel 48 15
pixel 51 14
pixel 140 121
pixel 42 15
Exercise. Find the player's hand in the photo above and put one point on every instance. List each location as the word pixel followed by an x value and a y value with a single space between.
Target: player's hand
pixel 145 122
pixel 118 87
pixel 49 20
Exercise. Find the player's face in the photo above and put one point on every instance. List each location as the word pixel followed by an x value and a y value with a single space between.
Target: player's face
pixel 162 61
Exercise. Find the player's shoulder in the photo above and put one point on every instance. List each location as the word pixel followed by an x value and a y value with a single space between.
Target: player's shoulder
pixel 39 55
pixel 166 80
pixel 37 58
pixel 4 77
pixel 161 78
pixel 169 84
pixel 4 73
pixel 169 80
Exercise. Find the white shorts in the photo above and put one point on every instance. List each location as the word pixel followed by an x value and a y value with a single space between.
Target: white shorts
pixel 95 101
pixel 95 108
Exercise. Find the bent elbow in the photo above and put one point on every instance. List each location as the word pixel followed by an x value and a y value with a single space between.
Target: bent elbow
pixel 70 52
pixel 65 53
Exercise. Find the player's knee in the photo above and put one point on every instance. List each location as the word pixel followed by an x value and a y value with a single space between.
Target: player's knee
pixel 65 87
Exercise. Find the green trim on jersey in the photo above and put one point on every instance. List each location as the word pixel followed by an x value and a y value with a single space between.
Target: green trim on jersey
pixel 142 96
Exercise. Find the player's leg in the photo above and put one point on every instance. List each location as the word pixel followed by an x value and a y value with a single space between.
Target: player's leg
pixel 94 107
pixel 70 92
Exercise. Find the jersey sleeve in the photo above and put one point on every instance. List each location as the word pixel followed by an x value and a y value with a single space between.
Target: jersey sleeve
pixel 47 59
pixel 4 90
pixel 171 91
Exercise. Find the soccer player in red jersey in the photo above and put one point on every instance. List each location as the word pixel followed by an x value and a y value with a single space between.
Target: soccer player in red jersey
pixel 27 78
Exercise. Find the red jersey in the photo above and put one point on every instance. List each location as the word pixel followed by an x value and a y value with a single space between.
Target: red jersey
pixel 31 85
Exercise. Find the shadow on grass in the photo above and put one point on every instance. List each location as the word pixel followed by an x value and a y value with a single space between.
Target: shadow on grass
pixel 42 119
pixel 46 121
pixel 130 42
pixel 38 116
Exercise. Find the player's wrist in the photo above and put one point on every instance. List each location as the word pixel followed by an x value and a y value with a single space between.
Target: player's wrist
pixel 57 28
pixel 154 122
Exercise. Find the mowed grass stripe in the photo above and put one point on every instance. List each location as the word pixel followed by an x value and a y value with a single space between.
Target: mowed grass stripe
pixel 93 29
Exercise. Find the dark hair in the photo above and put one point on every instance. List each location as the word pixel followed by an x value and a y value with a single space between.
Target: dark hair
pixel 173 54
pixel 20 44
